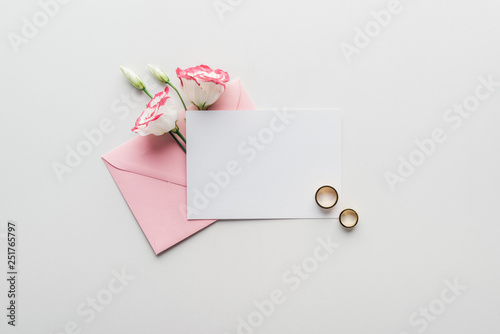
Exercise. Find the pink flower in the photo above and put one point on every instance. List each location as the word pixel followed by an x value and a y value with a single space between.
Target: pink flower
pixel 159 117
pixel 202 85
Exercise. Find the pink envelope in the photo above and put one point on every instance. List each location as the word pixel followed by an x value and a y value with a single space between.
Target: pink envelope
pixel 150 172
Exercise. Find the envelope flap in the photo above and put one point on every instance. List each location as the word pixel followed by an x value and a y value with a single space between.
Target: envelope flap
pixel 158 157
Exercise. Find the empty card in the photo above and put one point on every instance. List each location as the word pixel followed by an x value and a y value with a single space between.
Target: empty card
pixel 261 164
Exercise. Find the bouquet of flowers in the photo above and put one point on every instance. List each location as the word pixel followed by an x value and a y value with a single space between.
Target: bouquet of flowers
pixel 150 169
pixel 202 86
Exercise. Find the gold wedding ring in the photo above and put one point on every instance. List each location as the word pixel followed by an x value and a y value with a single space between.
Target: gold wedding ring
pixel 348 218
pixel 326 197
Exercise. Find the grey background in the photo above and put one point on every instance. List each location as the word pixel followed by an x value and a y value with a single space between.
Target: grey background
pixel 440 224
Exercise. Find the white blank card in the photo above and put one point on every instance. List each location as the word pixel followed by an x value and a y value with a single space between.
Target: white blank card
pixel 261 164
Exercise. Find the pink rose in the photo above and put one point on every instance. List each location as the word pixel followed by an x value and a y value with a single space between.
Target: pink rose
pixel 159 117
pixel 202 85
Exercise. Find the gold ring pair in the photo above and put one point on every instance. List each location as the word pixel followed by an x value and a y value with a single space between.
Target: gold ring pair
pixel 326 197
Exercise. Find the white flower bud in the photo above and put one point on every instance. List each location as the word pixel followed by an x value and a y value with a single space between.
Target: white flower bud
pixel 158 73
pixel 133 78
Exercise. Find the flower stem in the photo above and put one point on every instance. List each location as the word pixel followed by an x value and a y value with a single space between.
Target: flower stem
pixel 146 91
pixel 178 142
pixel 180 97
pixel 180 135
